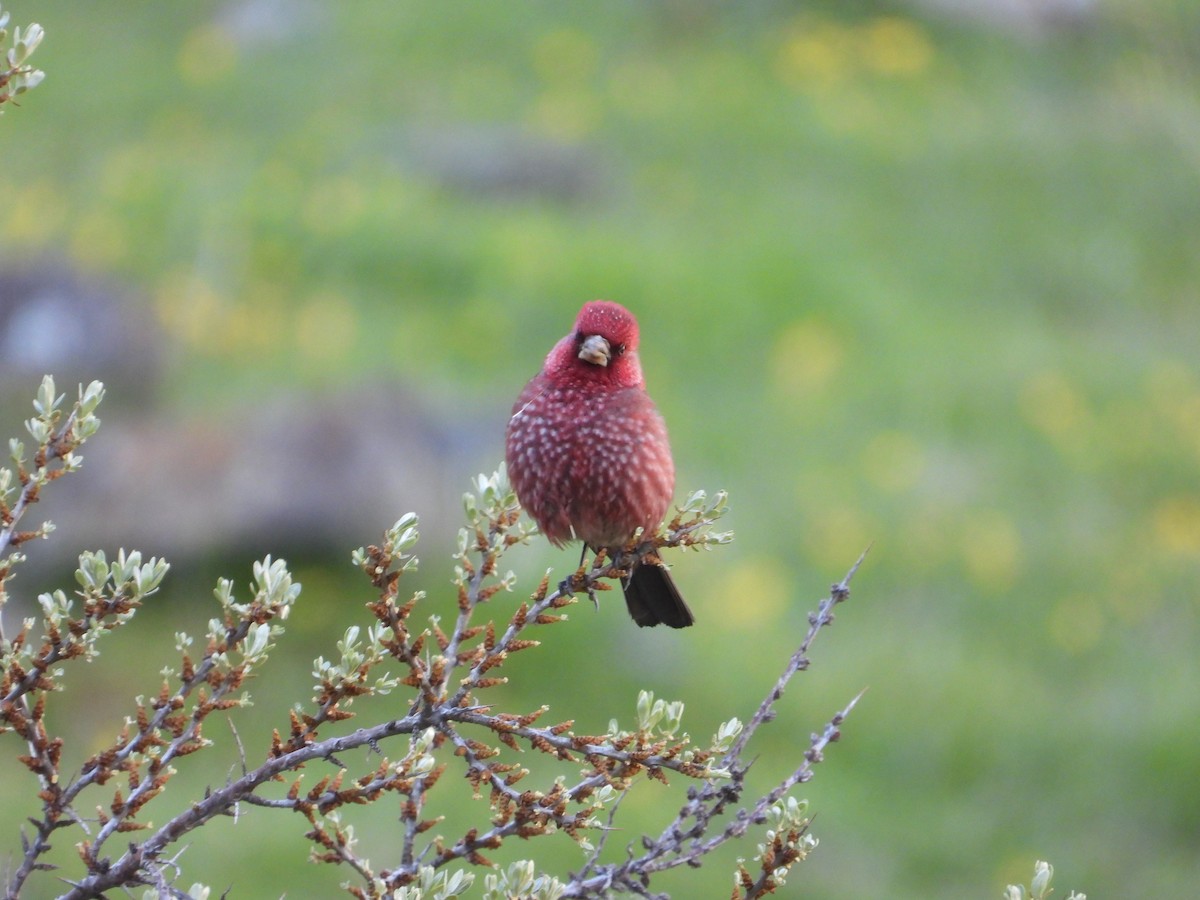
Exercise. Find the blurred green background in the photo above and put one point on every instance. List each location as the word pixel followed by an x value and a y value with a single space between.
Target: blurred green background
pixel 918 281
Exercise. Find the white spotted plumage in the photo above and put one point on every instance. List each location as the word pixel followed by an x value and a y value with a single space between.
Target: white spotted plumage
pixel 587 449
pixel 592 465
pixel 588 454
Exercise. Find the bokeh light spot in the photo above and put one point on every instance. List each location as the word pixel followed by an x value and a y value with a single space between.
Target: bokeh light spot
pixel 256 323
pixel 1174 396
pixel 757 588
pixel 188 308
pixel 35 212
pixel 805 357
pixel 1055 407
pixel 815 55
pixel 523 247
pixel 818 56
pixel 1177 525
pixel 839 532
pixel 991 548
pixel 208 56
pixel 565 60
pixel 326 328
pixel 896 46
pixel 99 239
pixel 566 114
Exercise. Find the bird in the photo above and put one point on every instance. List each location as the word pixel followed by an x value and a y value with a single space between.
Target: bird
pixel 587 453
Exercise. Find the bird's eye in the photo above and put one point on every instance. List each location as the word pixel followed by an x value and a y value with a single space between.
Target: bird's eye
pixel 579 337
pixel 619 349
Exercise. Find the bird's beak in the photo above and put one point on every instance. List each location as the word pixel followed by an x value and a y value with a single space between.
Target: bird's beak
pixel 595 350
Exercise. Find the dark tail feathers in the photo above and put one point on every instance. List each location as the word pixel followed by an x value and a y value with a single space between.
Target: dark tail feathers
pixel 652 598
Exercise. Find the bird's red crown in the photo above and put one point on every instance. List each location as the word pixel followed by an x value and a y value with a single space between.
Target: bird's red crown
pixel 611 321
pixel 602 349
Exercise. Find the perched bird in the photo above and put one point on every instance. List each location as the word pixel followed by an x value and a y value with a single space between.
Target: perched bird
pixel 588 456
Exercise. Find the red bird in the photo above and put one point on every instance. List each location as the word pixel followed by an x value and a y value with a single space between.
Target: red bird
pixel 588 455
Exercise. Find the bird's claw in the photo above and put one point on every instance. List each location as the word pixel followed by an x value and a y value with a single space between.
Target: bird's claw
pixel 645 552
pixel 578 583
pixel 575 583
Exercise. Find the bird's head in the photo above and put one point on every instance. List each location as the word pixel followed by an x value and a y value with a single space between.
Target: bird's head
pixel 601 348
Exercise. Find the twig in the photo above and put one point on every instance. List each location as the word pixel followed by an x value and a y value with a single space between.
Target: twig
pixel 681 843
pixel 124 870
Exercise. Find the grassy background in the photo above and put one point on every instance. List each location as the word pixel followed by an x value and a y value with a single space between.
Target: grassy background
pixel 901 281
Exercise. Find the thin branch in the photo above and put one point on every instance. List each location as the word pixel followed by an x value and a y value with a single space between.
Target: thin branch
pixel 681 844
pixel 445 711
pixel 125 869
pixel 799 661
pixel 60 444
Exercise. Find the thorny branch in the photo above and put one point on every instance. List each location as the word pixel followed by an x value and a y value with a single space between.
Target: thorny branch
pixel 681 844
pixel 20 672
pixel 449 715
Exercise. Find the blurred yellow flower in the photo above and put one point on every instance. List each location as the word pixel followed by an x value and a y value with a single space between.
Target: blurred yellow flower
pixel 191 310
pixel 757 588
pixel 207 56
pixel 1177 525
pixel 567 114
pixel 565 59
pixel 816 54
pixel 35 212
pixel 806 355
pixel 820 54
pixel 99 239
pixel 896 46
pixel 926 534
pixel 523 246
pixel 255 324
pixel 1054 406
pixel 838 532
pixel 326 327
pixel 991 549
pixel 1174 395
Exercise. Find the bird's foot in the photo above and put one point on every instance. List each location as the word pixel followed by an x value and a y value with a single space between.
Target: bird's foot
pixel 645 552
pixel 576 582
pixel 579 583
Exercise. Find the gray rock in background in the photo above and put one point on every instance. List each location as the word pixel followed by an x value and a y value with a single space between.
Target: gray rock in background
pixel 274 474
